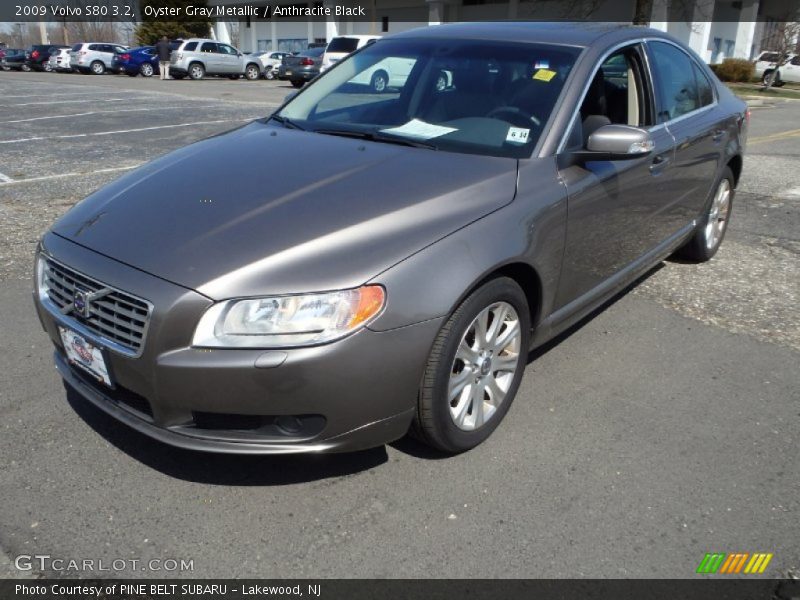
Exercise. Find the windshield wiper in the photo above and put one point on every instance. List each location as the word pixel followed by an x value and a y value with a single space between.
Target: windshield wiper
pixel 377 136
pixel 287 122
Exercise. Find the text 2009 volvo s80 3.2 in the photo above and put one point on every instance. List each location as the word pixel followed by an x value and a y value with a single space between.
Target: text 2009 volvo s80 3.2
pixel 420 241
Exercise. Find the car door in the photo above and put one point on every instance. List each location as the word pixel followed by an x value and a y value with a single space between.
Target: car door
pixel 791 70
pixel 615 208
pixel 230 61
pixel 686 107
pixel 211 57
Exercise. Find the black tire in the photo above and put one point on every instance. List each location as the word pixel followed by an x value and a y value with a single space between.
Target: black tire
pixel 379 82
pixel 298 83
pixel 252 72
pixel 97 68
pixel 433 423
pixel 699 248
pixel 197 71
pixel 146 69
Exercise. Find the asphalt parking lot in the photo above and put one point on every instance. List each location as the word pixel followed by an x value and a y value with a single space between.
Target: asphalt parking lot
pixel 664 427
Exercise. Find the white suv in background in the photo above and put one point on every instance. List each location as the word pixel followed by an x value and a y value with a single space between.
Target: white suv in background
pixel 93 57
pixel 198 57
pixel 341 46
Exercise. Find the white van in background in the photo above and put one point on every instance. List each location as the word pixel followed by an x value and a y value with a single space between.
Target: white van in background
pixel 341 46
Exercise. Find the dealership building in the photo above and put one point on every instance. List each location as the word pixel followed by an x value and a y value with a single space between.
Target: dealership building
pixel 715 29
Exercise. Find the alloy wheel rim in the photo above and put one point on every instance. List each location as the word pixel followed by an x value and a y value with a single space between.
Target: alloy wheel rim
pixel 380 84
pixel 484 367
pixel 718 215
pixel 147 70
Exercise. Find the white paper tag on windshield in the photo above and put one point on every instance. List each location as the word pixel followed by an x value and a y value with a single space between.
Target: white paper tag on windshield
pixel 517 135
pixel 419 129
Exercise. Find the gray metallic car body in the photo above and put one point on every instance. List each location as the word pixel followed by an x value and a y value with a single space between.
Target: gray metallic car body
pixel 570 235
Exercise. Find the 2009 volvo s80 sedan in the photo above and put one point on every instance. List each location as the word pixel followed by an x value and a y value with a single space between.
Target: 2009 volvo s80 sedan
pixel 421 240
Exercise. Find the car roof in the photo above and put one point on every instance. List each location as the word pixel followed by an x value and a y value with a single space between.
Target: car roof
pixel 358 37
pixel 564 33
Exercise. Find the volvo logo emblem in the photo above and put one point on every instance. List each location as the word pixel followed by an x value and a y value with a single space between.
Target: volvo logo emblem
pixel 80 303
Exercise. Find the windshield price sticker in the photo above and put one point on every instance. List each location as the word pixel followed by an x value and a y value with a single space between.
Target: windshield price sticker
pixel 517 135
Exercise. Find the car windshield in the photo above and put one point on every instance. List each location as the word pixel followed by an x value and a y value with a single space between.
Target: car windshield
pixel 476 97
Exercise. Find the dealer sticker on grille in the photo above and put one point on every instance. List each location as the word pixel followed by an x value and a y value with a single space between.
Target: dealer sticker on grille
pixel 84 355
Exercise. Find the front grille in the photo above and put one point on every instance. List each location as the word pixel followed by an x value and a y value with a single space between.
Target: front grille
pixel 116 315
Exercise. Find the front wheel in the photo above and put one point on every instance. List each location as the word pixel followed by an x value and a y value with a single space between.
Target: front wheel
pixel 475 368
pixel 711 227
pixel 269 74
pixel 379 82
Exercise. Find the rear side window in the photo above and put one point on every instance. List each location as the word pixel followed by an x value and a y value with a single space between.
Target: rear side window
pixel 675 81
pixel 77 47
pixel 94 47
pixel 796 61
pixel 343 44
pixel 208 47
pixel 190 47
pixel 705 92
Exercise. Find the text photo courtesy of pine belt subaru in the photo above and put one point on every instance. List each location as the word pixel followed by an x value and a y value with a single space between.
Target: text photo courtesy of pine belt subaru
pixel 445 231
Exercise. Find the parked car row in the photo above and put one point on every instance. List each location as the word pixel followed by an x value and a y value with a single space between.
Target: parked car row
pixel 193 58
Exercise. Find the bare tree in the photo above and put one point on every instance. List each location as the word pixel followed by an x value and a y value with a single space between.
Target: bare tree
pixel 782 39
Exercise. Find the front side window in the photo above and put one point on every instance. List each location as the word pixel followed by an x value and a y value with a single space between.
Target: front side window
pixel 460 96
pixel 225 49
pixel 343 44
pixel 675 81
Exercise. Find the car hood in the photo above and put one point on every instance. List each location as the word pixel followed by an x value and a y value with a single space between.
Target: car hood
pixel 268 210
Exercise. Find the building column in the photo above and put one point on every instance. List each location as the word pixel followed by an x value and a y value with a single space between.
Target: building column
pixel 222 32
pixel 513 7
pixel 746 31
pixel 331 25
pixel 253 35
pixel 435 12
pixel 700 28
pixel 273 34
pixel 658 15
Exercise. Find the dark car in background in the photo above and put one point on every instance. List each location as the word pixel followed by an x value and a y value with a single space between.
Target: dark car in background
pixel 13 59
pixel 136 61
pixel 38 56
pixel 399 284
pixel 302 67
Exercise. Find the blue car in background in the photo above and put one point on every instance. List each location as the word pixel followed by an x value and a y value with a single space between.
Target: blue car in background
pixel 136 61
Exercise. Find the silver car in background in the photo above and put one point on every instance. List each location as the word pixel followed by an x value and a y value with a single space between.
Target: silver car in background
pixel 60 60
pixel 93 57
pixel 198 57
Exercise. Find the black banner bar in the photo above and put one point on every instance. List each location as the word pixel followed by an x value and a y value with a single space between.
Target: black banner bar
pixel 399 589
pixel 625 11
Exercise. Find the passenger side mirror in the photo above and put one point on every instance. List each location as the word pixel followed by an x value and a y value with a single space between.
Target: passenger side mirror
pixel 617 142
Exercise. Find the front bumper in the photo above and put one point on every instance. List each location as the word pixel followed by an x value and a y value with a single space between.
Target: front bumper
pixel 356 393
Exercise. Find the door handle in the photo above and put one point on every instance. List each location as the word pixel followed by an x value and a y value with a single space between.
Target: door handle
pixel 660 161
pixel 717 134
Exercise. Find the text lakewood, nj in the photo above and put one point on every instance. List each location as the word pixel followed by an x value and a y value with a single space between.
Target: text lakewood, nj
pixel 262 12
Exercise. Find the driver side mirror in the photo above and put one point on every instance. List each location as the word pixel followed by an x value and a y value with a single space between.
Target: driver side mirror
pixel 615 142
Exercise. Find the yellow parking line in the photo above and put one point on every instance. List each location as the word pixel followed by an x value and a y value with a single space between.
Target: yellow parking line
pixel 774 136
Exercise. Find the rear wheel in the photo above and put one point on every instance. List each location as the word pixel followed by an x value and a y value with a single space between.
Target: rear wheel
pixel 97 67
pixel 298 83
pixel 197 71
pixel 711 228
pixel 475 368
pixel 48 68
pixel 26 68
pixel 269 73
pixel 146 70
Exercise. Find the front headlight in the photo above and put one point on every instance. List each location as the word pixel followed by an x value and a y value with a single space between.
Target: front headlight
pixel 288 320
